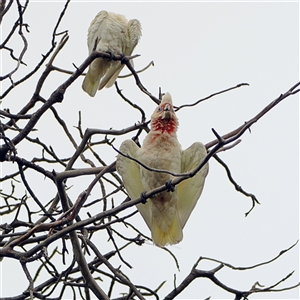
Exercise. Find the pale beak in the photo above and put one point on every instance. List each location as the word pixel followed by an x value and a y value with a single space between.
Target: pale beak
pixel 167 113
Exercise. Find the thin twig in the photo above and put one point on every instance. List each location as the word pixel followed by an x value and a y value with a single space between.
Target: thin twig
pixel 115 271
pixel 236 186
pixel 210 96
pixel 151 63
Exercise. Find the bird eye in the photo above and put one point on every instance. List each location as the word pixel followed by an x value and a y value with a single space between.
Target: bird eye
pixel 159 109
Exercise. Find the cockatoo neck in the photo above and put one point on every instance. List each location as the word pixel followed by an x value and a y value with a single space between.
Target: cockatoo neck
pixel 164 125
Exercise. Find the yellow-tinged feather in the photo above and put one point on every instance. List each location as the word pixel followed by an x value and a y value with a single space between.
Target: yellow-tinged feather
pixel 172 236
pixel 96 70
pixel 109 32
pixel 165 213
pixel 190 190
pixel 130 172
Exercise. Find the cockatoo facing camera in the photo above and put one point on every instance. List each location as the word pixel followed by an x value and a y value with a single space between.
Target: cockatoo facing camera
pixel 167 212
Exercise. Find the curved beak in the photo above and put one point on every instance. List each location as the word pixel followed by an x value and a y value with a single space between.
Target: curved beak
pixel 167 113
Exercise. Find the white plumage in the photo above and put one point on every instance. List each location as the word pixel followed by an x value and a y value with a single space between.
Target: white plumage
pixel 166 213
pixel 109 32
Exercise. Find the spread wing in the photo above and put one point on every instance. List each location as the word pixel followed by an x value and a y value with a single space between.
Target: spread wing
pixel 189 190
pixel 130 173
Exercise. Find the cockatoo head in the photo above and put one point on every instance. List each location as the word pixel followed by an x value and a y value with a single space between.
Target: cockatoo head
pixel 164 119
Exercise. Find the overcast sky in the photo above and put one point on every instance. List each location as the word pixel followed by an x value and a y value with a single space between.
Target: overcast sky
pixel 198 48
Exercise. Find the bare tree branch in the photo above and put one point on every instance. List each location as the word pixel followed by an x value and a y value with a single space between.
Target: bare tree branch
pixel 211 275
pixel 212 95
pixel 237 187
pixel 66 223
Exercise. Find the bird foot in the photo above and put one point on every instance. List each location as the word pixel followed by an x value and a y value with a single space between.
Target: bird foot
pixel 170 187
pixel 112 56
pixel 143 197
pixel 123 59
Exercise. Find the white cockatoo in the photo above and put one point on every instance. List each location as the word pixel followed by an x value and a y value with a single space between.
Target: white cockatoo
pixel 109 32
pixel 165 213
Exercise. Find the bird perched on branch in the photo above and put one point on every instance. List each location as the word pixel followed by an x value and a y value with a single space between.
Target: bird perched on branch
pixel 167 212
pixel 112 33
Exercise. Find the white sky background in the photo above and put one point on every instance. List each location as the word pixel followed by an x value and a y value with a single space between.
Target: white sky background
pixel 198 49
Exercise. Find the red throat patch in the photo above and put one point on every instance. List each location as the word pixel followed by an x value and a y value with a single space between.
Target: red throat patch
pixel 164 125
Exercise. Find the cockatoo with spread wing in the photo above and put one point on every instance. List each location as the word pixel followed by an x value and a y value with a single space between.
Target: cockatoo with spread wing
pixel 165 213
pixel 109 32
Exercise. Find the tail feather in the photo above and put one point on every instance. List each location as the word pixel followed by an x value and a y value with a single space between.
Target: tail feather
pixel 92 79
pixel 90 84
pixel 111 76
pixel 172 236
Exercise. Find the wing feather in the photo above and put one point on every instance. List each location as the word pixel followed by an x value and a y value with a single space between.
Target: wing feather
pixel 189 190
pixel 109 32
pixel 96 29
pixel 130 173
pixel 92 79
pixel 111 76
pixel 133 34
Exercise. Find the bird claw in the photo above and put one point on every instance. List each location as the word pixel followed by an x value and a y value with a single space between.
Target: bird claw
pixel 170 187
pixel 123 59
pixel 112 56
pixel 143 197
